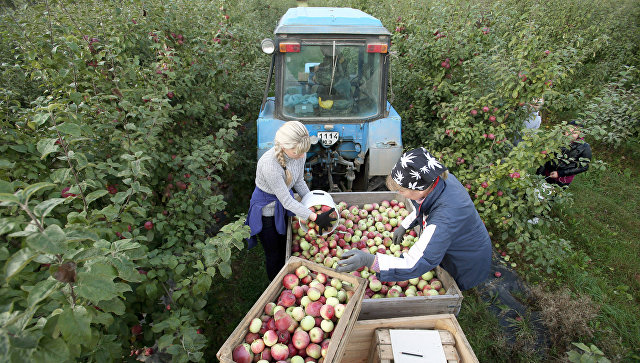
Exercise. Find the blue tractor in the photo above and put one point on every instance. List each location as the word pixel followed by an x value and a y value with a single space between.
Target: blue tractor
pixel 330 69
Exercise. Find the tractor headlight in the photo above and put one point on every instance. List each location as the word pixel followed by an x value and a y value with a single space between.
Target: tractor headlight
pixel 268 46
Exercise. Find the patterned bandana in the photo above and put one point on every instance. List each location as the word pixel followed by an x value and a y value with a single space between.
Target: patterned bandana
pixel 417 169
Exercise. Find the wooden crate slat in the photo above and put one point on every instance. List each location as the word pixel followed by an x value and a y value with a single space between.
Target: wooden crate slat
pixel 341 331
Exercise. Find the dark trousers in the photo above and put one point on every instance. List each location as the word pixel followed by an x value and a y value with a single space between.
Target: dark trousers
pixel 274 245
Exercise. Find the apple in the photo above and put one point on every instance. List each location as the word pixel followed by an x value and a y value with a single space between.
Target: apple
pixel 333 301
pixel 307 323
pixel 257 346
pixel 283 336
pixel 436 285
pixel 287 299
pixel 327 326
pixel 297 313
pixel 298 292
pixel 289 281
pixel 242 353
pixel 314 351
pixel 284 322
pixel 255 326
pixel 430 292
pixel 427 275
pixel 375 285
pixel 266 354
pixel 137 329
pixel 250 337
pixel 325 347
pixel 316 334
pixel 315 284
pixel 336 283
pixel 327 311
pixel 330 291
pixel 280 352
pixel 148 225
pixel 313 309
pixel 339 310
pixel 313 294
pixel 301 339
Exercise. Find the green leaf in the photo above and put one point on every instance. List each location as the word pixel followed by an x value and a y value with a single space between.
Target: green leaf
pixel 225 269
pixel 18 261
pixel 74 324
pixel 124 245
pixel 126 269
pixel 41 118
pixel 33 188
pixel 70 128
pixel 51 241
pixel 51 350
pixel 8 199
pixel 80 235
pixel 6 164
pixel 44 208
pixel 96 283
pixel 114 305
pixel 95 195
pixel 41 291
pixel 165 341
pixel 6 225
pixel 225 253
pixel 46 147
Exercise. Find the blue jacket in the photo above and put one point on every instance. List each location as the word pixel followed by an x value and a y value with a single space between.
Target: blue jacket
pixel 452 235
pixel 259 199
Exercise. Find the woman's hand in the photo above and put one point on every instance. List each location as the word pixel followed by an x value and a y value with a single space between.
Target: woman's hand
pixel 553 174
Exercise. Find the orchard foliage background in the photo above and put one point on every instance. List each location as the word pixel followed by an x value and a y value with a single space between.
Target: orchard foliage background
pixel 128 146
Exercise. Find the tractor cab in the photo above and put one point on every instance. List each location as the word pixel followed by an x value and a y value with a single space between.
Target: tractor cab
pixel 330 70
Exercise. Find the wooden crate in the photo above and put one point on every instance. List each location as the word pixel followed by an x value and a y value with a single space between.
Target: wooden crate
pixel 382 351
pixel 399 306
pixel 363 336
pixel 271 293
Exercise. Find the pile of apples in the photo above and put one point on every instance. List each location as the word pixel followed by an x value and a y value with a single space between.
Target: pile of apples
pixel 368 228
pixel 298 327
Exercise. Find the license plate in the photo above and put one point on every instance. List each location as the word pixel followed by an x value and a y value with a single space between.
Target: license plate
pixel 328 138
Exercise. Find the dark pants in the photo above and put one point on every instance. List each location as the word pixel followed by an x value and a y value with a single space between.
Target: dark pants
pixel 274 245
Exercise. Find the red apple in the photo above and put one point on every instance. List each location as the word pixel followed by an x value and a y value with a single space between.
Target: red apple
pixel 301 339
pixel 257 346
pixel 242 353
pixel 280 352
pixel 289 281
pixel 270 338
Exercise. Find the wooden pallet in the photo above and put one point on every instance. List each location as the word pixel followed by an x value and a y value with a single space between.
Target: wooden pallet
pixel 342 329
pixel 449 303
pixel 362 338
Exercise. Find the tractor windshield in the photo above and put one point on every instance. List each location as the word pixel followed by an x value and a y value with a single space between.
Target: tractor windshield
pixel 332 81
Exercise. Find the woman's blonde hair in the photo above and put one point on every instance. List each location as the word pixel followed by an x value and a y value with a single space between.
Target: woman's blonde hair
pixel 291 135
pixel 395 187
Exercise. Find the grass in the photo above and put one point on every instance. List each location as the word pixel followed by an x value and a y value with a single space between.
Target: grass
pixel 593 299
pixel 603 223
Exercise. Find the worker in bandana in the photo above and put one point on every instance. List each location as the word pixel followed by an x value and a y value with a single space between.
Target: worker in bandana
pixel 451 232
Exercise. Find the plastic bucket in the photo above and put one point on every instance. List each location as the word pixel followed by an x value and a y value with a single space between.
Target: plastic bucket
pixel 319 197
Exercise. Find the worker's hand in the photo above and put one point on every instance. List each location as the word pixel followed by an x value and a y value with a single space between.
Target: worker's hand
pixel 357 259
pixel 553 174
pixel 324 220
pixel 398 235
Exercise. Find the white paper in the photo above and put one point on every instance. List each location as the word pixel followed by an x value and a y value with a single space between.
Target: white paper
pixel 425 344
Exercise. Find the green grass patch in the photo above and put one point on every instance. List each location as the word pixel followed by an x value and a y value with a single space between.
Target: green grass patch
pixel 603 224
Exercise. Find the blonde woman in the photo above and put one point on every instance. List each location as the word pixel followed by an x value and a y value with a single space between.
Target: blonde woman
pixel 280 169
pixel 451 232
